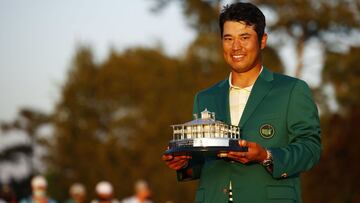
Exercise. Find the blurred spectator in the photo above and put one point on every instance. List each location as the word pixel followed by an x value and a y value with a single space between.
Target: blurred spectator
pixel 7 195
pixel 39 188
pixel 142 193
pixel 77 193
pixel 104 192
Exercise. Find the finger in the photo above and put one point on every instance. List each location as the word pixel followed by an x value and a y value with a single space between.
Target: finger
pixel 181 163
pixel 172 163
pixel 222 154
pixel 167 157
pixel 182 157
pixel 177 165
pixel 243 160
pixel 239 159
pixel 176 160
pixel 174 166
pixel 234 156
pixel 238 154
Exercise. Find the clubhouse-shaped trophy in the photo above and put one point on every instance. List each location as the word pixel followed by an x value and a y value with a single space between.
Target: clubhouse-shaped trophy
pixel 204 135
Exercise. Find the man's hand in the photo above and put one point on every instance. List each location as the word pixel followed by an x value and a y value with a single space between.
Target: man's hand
pixel 255 153
pixel 175 162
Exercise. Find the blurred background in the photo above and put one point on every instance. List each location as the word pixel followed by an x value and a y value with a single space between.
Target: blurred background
pixel 89 88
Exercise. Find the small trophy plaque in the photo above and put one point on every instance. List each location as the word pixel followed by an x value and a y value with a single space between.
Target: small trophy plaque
pixel 204 135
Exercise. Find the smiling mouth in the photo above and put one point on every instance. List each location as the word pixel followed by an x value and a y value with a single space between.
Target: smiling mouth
pixel 238 57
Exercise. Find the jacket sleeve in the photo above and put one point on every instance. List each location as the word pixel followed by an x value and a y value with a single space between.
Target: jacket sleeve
pixel 303 127
pixel 193 170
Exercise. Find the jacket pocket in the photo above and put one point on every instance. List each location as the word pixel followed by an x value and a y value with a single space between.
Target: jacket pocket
pixel 200 196
pixel 281 193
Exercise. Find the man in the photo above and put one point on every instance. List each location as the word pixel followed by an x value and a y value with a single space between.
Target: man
pixel 142 193
pixel 7 195
pixel 104 192
pixel 77 193
pixel 276 114
pixel 39 188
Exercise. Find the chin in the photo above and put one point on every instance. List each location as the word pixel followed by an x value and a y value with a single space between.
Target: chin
pixel 240 69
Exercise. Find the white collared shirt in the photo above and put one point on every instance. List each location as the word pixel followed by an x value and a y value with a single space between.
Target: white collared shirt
pixel 238 98
pixel 237 101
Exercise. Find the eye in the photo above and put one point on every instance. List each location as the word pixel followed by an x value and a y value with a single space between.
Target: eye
pixel 227 38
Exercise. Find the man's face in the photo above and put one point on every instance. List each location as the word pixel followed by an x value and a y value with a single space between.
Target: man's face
pixel 39 191
pixel 241 46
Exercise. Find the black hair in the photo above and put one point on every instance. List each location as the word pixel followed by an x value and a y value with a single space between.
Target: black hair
pixel 246 12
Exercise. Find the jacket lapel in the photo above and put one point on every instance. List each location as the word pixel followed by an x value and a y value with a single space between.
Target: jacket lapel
pixel 223 101
pixel 261 88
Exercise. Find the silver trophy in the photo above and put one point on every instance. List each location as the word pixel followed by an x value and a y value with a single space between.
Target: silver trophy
pixel 204 134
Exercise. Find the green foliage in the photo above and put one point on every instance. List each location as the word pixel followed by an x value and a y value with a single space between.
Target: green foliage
pixel 303 20
pixel 339 129
pixel 343 71
pixel 313 17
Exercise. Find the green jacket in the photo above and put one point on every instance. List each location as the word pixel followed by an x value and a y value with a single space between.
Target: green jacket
pixel 286 105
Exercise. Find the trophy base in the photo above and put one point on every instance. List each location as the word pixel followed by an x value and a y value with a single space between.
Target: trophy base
pixel 206 151
pixel 204 146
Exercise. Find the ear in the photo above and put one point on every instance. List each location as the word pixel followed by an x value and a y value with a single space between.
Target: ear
pixel 263 41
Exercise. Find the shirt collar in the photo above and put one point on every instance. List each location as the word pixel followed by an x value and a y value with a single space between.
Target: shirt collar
pixel 238 88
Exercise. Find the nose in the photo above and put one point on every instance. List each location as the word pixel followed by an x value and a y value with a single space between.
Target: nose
pixel 236 45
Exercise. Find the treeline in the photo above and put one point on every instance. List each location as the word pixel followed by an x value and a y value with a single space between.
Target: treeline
pixel 112 120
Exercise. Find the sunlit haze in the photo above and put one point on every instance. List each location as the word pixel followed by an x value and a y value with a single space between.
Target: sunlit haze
pixel 39 38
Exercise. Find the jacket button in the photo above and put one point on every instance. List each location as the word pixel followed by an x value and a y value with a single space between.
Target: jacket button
pixel 284 175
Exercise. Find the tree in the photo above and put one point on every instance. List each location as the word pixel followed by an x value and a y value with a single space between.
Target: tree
pixel 28 121
pixel 302 20
pixel 338 161
pixel 306 19
pixel 118 113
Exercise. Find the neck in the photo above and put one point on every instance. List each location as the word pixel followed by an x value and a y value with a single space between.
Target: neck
pixel 245 79
pixel 40 199
pixel 141 199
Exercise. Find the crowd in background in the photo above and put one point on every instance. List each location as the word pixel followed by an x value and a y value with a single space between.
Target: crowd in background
pixel 77 193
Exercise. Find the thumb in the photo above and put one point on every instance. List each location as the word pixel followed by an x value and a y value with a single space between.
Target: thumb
pixel 243 143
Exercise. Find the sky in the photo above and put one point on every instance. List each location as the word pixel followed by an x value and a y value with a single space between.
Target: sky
pixel 39 38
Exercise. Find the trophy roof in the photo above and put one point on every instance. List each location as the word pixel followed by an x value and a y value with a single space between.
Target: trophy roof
pixel 207 121
pixel 207 118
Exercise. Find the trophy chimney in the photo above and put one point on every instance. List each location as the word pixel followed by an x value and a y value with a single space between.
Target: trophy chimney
pixel 205 114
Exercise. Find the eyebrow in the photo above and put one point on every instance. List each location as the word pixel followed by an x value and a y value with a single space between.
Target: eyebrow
pixel 241 35
pixel 227 35
pixel 245 34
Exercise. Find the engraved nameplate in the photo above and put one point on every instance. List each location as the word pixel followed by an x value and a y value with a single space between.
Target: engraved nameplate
pixel 209 142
